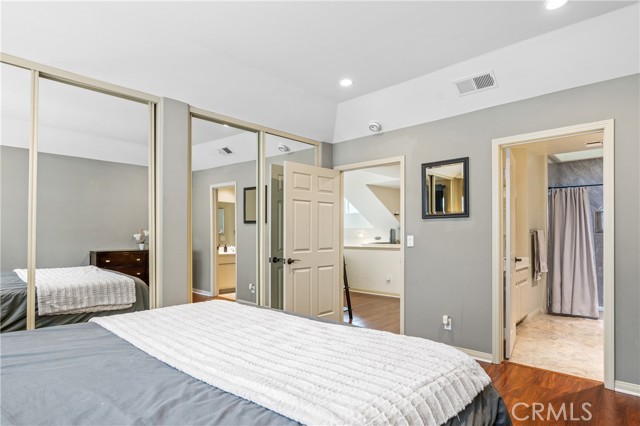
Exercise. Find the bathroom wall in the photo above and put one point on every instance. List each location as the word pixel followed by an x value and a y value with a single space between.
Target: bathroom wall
pixel 531 207
pixel 584 172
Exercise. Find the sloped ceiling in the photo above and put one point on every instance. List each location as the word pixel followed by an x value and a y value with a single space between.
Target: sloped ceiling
pixel 278 64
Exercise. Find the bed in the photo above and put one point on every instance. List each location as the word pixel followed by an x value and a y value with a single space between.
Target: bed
pixel 13 305
pixel 92 374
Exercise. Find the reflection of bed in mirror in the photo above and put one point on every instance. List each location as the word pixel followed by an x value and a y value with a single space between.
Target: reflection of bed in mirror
pixel 13 297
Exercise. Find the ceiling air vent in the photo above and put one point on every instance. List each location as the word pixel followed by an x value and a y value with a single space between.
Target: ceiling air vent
pixel 225 151
pixel 476 83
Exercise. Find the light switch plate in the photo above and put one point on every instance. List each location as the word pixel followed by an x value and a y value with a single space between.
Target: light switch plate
pixel 409 240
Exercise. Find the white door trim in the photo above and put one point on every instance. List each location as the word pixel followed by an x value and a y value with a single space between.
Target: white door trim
pixel 365 165
pixel 213 218
pixel 607 126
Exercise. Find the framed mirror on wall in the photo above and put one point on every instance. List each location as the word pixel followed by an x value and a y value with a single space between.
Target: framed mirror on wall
pixel 445 189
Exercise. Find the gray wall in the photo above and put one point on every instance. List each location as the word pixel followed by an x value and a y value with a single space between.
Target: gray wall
pixel 83 205
pixel 449 269
pixel 585 172
pixel 244 174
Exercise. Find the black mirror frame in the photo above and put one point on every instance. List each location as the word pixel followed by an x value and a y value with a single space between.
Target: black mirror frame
pixel 465 166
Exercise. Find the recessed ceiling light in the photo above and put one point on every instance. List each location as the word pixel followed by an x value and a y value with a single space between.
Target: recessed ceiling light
pixel 346 82
pixel 554 4
pixel 225 125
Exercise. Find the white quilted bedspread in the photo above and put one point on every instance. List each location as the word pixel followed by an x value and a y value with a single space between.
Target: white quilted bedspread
pixel 80 289
pixel 313 372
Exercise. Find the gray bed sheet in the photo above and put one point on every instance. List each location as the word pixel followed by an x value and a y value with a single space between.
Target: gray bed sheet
pixel 13 305
pixel 83 374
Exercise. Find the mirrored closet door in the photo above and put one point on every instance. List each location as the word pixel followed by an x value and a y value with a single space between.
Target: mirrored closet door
pixel 14 195
pixel 224 211
pixel 92 203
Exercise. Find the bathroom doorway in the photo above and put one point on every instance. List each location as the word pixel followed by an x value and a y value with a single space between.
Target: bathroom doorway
pixel 372 242
pixel 555 241
pixel 223 240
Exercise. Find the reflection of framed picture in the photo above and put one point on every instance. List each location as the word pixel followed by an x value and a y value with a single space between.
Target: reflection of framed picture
pixel 249 199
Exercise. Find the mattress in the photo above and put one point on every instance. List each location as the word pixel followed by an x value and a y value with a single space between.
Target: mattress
pixel 83 374
pixel 13 305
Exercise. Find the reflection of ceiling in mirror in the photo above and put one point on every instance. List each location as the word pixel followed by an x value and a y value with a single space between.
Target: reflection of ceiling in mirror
pixel 449 171
pixel 74 122
pixel 244 146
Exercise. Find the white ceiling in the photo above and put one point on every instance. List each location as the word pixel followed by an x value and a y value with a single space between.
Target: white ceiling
pixel 272 64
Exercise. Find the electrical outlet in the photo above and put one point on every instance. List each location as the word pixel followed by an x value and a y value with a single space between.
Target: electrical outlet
pixel 446 322
pixel 252 288
pixel 409 240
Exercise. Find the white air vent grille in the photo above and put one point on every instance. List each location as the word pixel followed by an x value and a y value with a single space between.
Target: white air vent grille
pixel 476 83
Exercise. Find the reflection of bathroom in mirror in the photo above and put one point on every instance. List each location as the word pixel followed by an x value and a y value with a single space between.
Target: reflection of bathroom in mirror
pixel 445 189
pixel 226 224
pixel 224 229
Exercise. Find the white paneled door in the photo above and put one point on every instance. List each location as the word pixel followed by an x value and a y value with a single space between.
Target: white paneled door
pixel 311 241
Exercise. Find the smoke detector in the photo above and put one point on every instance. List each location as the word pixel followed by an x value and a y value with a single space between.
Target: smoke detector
pixel 225 151
pixel 476 83
pixel 374 126
pixel 283 148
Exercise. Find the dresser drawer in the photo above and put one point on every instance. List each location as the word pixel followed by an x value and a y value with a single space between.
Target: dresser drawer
pixel 134 271
pixel 121 258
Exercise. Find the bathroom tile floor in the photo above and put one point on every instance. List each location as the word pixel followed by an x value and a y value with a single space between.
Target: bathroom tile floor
pixel 564 344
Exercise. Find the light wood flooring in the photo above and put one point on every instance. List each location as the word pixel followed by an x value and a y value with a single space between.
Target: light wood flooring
pixel 377 312
pixel 521 386
pixel 200 298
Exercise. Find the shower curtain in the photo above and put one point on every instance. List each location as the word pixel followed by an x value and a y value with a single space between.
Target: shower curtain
pixel 572 283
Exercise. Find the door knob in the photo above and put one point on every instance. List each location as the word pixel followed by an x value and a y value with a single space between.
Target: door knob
pixel 275 259
pixel 290 261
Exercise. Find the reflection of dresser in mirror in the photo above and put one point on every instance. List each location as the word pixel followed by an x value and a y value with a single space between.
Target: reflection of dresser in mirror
pixel 226 272
pixel 130 262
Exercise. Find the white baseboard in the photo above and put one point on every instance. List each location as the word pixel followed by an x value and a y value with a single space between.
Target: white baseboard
pixel 373 292
pixel 477 355
pixel 202 292
pixel 626 387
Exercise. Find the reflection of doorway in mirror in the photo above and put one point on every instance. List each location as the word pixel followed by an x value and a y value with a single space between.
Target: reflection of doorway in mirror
pixel 224 248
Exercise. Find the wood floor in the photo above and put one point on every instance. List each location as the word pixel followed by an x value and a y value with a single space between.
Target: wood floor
pixel 522 386
pixel 377 312
pixel 200 298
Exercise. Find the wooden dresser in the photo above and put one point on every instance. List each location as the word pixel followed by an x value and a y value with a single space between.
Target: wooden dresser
pixel 130 262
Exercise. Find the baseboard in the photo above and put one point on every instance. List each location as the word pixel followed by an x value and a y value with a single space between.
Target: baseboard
pixel 202 292
pixel 477 355
pixel 626 387
pixel 373 292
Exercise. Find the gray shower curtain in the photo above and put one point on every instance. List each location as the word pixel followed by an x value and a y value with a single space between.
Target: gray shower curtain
pixel 572 269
